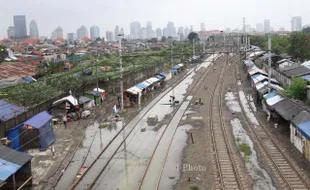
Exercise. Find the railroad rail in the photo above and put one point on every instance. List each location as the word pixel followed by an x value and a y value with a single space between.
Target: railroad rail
pixel 289 175
pixel 227 170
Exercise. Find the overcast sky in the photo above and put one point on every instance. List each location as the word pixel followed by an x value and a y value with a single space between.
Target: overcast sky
pixel 216 14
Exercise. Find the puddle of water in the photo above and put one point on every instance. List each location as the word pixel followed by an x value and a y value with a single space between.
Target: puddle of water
pixel 171 173
pixel 247 109
pixel 261 179
pixel 252 102
pixel 231 102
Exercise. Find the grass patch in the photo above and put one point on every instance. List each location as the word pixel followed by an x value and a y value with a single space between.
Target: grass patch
pixel 245 149
pixel 194 187
pixel 103 125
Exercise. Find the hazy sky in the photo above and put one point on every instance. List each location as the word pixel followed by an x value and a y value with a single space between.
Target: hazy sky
pixel 216 14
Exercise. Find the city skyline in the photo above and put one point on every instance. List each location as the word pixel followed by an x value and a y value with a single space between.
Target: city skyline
pixel 71 16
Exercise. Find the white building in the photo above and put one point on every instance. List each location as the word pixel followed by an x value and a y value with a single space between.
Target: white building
pixel 71 37
pixel 159 32
pixel 296 24
pixel 11 32
pixel 149 30
pixel 259 27
pixel 267 26
pixel 57 33
pixel 116 32
pixel 82 32
pixel 135 28
pixel 94 32
pixel 34 32
pixel 202 26
pixel 109 36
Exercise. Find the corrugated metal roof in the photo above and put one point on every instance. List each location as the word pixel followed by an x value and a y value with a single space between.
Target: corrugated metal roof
pixel 301 118
pixel 272 101
pixel 298 71
pixel 39 120
pixel 7 110
pixel 287 109
pixel 16 70
pixel 270 95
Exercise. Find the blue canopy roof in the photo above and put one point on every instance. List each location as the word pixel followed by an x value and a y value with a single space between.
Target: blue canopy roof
pixel 39 120
pixel 270 95
pixel 7 169
pixel 143 85
pixel 255 75
pixel 304 129
pixel 6 110
pixel 159 77
pixel 306 77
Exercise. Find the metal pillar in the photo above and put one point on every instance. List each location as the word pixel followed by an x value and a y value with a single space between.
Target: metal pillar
pixel 121 72
pixel 269 62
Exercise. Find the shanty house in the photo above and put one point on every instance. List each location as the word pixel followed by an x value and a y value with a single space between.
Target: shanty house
pixel 15 169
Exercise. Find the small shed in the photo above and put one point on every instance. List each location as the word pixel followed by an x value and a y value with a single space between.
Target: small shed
pixel 15 168
pixel 63 106
pixel 8 111
pixel 303 133
pixel 36 132
pixel 295 136
pixel 95 96
pixel 287 109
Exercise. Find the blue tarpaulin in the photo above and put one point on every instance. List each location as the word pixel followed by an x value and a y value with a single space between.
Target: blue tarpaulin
pixel 41 122
pixel 7 111
pixel 270 95
pixel 255 76
pixel 304 129
pixel 13 136
pixel 28 79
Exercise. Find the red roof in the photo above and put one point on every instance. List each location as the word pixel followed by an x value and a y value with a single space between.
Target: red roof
pixel 5 40
pixel 85 39
pixel 16 48
pixel 16 70
pixel 60 39
pixel 29 41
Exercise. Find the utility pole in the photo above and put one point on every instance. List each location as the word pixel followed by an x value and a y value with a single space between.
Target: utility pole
pixel 171 54
pixel 269 62
pixel 97 85
pixel 193 48
pixel 121 71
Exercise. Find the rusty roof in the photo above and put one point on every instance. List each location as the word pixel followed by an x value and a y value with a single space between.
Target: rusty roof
pixel 16 70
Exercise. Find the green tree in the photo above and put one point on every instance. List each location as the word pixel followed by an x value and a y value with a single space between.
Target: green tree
pixel 193 37
pixel 297 89
pixel 306 30
pixel 3 53
pixel 299 45
pixel 64 83
pixel 259 41
pixel 163 39
pixel 280 44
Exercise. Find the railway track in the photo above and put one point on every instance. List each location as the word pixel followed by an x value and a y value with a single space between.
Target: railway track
pixel 287 174
pixel 95 178
pixel 193 92
pixel 227 174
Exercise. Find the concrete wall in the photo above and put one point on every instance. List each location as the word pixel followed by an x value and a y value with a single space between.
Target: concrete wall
pixel 297 139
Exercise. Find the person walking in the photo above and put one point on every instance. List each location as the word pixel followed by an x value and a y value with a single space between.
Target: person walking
pixel 64 119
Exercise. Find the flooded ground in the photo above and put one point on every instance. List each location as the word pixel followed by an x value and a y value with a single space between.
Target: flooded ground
pixel 261 179
pixel 247 109
pixel 232 102
pixel 171 172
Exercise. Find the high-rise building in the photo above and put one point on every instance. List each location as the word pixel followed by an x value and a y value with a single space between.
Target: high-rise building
pixel 57 33
pixel 281 29
pixel 266 25
pixel 171 30
pixel 122 32
pixel 11 32
pixel 135 28
pixel 20 26
pixel 34 32
pixel 149 30
pixel 186 31
pixel 165 32
pixel 116 32
pixel 202 26
pixel 70 37
pixel 143 33
pixel 109 36
pixel 296 24
pixel 159 32
pixel 181 30
pixel 82 32
pixel 94 32
pixel 259 27
pixel 192 29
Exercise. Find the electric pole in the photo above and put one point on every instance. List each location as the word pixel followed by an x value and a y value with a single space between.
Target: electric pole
pixel 269 62
pixel 121 72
